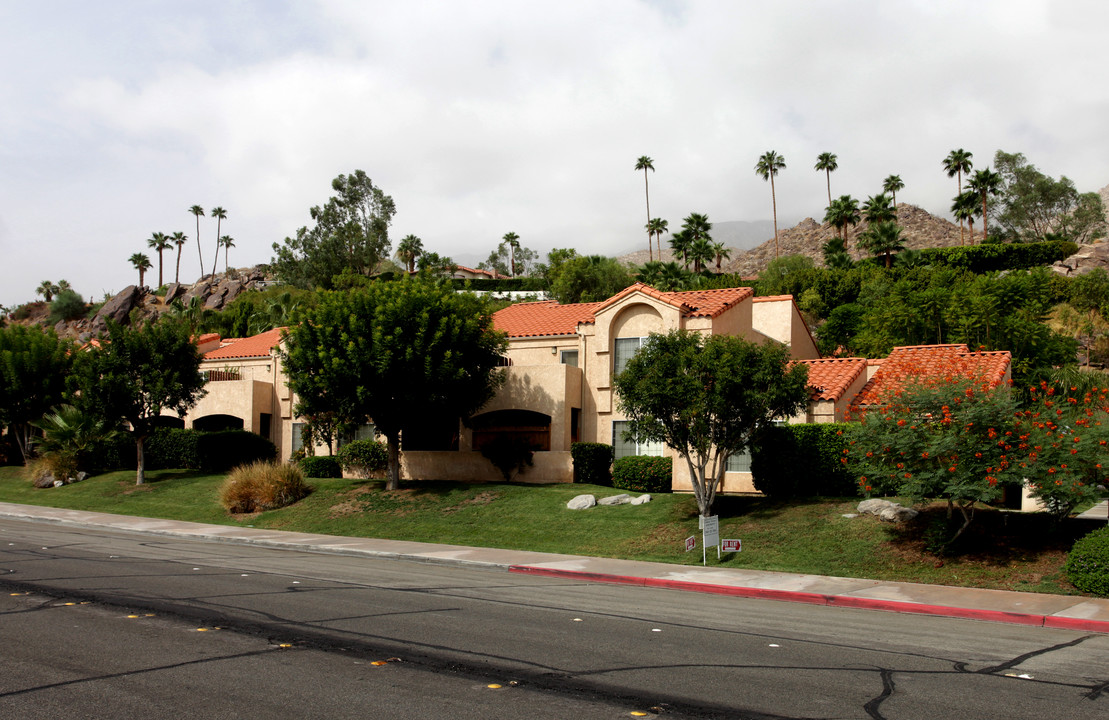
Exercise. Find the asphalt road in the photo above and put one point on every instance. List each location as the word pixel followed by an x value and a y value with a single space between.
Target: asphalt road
pixel 299 633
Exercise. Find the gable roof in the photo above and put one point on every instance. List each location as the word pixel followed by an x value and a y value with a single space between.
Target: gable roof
pixel 911 363
pixel 830 378
pixel 254 346
pixel 692 303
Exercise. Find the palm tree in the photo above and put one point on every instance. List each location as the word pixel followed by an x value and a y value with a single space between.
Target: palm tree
pixel 47 289
pixel 877 209
pixel 63 285
pixel 199 211
pixel 985 183
pixel 697 225
pixel 965 207
pixel 891 185
pixel 227 242
pixel 721 252
pixel 657 227
pixel 883 238
pixel 835 254
pixel 645 163
pixel 159 242
pixel 179 239
pixel 826 161
pixel 766 168
pixel 958 162
pixel 513 241
pixel 679 244
pixel 142 264
pixel 220 215
pixel 843 212
pixel 408 249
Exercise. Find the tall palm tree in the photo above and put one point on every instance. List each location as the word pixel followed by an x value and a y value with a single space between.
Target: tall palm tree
pixel 958 162
pixel 656 227
pixel 220 215
pixel 984 184
pixel 47 289
pixel 179 239
pixel 199 212
pixel 226 242
pixel 826 161
pixel 159 242
pixel 645 163
pixel 883 238
pixel 697 225
pixel 891 185
pixel 965 207
pixel 142 264
pixel 513 241
pixel 877 209
pixel 679 244
pixel 408 249
pixel 721 252
pixel 843 212
pixel 766 168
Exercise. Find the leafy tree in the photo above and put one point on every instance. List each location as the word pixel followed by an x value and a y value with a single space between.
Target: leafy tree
pixel 506 256
pixel 179 239
pixel 408 249
pixel 198 211
pixel 787 275
pixel 891 185
pixel 436 264
pixel 351 231
pixel 1034 205
pixel 826 163
pixel 984 184
pixel 33 366
pixel 767 167
pixel 220 215
pixel 589 279
pixel 226 242
pixel 68 305
pixel 956 163
pixel 141 263
pixel 707 397
pixel 883 238
pixel 645 163
pixel 159 242
pixel 139 371
pixel 397 353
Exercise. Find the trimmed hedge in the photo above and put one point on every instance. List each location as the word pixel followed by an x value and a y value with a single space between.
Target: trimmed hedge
pixel 1087 565
pixel 592 463
pixel 1000 256
pixel 791 461
pixel 366 458
pixel 221 451
pixel 322 466
pixel 184 448
pixel 643 473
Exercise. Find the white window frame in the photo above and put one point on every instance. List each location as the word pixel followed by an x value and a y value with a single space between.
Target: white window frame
pixel 620 446
pixel 620 356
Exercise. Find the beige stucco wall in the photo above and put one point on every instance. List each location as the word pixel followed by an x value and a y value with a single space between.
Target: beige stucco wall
pixel 549 389
pixel 538 351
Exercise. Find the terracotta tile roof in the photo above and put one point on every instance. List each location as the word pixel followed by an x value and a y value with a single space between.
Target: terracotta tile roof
pixel 942 362
pixel 773 298
pixel 536 319
pixel 693 303
pixel 830 378
pixel 255 346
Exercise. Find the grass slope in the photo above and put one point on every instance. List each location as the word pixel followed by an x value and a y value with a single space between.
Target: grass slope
pixel 1003 551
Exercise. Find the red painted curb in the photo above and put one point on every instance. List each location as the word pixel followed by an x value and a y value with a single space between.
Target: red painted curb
pixel 844 601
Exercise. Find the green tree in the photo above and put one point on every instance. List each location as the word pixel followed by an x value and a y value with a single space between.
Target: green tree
pixel 590 278
pixel 220 215
pixel 67 305
pixel 179 239
pixel 656 227
pixel 707 397
pixel 47 289
pixel 408 250
pixel 956 163
pixel 878 209
pixel 226 242
pixel 668 277
pixel 680 242
pixel 351 232
pixel 159 243
pixel 141 263
pixel 984 184
pixel 506 255
pixel 700 252
pixel 720 252
pixel 397 353
pixel 767 167
pixel 883 238
pixel 436 264
pixel 512 241
pixel 843 212
pixel 141 370
pixel 68 431
pixel 826 163
pixel 198 211
pixel 1034 205
pixel 34 364
pixel 836 255
pixel 645 163
pixel 891 185
pixel 965 207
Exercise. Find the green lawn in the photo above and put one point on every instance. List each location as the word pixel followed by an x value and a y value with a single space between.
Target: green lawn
pixel 1004 551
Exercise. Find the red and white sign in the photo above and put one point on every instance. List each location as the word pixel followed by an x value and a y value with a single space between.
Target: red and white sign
pixel 690 543
pixel 731 545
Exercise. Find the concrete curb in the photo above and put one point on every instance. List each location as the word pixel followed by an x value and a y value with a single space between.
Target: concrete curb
pixel 844 601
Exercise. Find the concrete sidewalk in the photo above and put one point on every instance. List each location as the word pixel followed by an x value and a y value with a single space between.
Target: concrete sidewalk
pixel 1056 611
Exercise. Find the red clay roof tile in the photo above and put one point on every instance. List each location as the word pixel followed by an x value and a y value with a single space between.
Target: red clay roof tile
pixel 911 363
pixel 255 346
pixel 830 378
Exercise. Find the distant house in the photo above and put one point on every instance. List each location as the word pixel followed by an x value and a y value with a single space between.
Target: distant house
pixel 462 272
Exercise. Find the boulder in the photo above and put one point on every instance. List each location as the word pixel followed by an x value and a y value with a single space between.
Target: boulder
pixel 640 500
pixel 81 476
pixel 582 502
pixel 173 291
pixel 45 481
pixel 887 511
pixel 621 499
pixel 118 308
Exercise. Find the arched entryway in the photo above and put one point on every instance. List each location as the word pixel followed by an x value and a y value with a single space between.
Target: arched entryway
pixel 534 428
pixel 216 423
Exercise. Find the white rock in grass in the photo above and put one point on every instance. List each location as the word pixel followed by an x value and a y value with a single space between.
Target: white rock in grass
pixel 582 502
pixel 621 499
pixel 641 500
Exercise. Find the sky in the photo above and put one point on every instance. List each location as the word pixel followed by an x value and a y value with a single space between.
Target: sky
pixel 482 118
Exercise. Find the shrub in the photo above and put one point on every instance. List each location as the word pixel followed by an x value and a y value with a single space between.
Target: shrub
pixel 262 486
pixel 321 466
pixel 172 448
pixel 365 458
pixel 67 305
pixel 802 461
pixel 986 258
pixel 508 454
pixel 221 451
pixel 60 465
pixel 592 463
pixel 1087 565
pixel 643 473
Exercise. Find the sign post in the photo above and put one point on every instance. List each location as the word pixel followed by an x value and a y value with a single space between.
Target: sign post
pixel 710 533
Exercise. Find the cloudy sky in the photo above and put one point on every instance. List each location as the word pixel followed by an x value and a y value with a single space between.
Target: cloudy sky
pixel 481 118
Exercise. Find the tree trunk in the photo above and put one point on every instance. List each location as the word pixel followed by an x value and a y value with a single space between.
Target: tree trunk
pixel 647 193
pixel 985 218
pixel 177 273
pixel 199 253
pixel 140 460
pixel 393 482
pixel 160 283
pixel 774 206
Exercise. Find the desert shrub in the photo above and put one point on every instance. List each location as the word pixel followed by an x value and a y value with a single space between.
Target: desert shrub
pixel 365 458
pixel 321 466
pixel 592 463
pixel 1087 565
pixel 508 454
pixel 262 486
pixel 67 305
pixel 802 461
pixel 643 473
pixel 221 451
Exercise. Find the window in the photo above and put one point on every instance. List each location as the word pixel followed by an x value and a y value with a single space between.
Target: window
pixel 739 462
pixel 362 432
pixel 298 439
pixel 625 349
pixel 570 357
pixel 625 448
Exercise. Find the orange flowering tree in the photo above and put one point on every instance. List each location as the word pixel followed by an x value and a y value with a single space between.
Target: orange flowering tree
pixel 948 439
pixel 1064 444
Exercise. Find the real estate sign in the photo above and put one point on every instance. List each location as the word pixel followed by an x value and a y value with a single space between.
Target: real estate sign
pixel 710 536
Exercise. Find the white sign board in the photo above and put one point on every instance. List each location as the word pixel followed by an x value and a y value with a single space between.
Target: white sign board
pixel 731 545
pixel 710 536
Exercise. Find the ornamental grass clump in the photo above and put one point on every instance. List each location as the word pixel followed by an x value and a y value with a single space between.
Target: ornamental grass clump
pixel 262 486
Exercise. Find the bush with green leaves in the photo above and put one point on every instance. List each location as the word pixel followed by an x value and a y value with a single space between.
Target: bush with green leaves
pixel 592 463
pixel 321 466
pixel 643 473
pixel 992 257
pixel 173 448
pixel 67 305
pixel 1087 565
pixel 262 486
pixel 802 461
pixel 364 458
